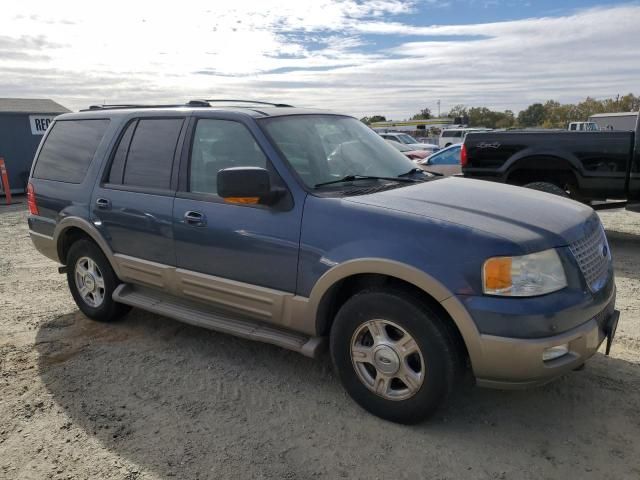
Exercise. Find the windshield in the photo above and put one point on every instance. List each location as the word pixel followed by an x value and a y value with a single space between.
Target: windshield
pixel 323 148
pixel 406 139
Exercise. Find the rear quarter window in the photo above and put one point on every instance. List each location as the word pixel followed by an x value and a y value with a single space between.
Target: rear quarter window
pixel 68 150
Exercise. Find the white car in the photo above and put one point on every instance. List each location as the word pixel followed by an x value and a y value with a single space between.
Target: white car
pixel 409 141
pixel 451 136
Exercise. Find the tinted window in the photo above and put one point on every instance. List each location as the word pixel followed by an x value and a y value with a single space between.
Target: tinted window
pixel 69 149
pixel 151 152
pixel 446 157
pixel 119 158
pixel 219 144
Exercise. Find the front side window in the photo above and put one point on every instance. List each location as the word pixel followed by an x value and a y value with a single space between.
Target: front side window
pixel 69 149
pixel 323 148
pixel 220 144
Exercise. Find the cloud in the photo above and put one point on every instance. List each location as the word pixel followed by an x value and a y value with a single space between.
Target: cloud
pixel 356 57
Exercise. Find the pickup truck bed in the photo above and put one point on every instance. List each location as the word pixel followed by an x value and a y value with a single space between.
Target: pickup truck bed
pixel 588 166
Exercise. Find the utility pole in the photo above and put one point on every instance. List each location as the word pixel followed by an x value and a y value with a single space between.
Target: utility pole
pixel 438 108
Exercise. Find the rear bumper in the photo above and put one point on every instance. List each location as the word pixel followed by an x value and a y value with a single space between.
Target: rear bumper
pixel 45 244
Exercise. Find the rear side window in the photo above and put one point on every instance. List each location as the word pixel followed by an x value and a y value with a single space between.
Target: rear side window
pixel 69 149
pixel 144 156
pixel 452 133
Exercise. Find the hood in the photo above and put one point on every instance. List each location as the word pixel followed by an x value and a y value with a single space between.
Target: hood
pixel 533 220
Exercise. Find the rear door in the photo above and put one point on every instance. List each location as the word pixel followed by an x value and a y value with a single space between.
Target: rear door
pixel 132 206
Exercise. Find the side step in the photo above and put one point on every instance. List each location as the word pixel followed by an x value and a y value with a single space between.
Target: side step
pixel 201 316
pixel 633 207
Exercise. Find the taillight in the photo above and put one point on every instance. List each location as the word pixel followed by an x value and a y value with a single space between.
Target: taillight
pixel 31 200
pixel 463 156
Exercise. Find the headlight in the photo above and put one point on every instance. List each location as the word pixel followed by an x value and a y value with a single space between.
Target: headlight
pixel 526 276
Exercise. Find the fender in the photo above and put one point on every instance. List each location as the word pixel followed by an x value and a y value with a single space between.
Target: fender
pixel 88 228
pixel 561 155
pixel 409 274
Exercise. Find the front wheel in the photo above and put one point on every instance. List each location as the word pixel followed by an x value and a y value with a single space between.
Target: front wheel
pixel 92 282
pixel 393 355
pixel 547 187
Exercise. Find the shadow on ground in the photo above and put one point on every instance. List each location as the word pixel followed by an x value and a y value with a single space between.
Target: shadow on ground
pixel 185 402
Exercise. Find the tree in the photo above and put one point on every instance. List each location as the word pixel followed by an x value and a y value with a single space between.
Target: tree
pixel 457 111
pixel 373 119
pixel 532 116
pixel 425 114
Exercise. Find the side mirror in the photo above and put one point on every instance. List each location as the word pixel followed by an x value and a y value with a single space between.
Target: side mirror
pixel 245 185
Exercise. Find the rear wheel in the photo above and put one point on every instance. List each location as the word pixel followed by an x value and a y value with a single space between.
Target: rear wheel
pixel 92 282
pixel 393 355
pixel 548 188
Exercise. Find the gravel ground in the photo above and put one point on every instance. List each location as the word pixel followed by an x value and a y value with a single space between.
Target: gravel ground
pixel 151 398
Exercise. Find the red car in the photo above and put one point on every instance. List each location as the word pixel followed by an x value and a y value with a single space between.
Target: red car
pixel 409 152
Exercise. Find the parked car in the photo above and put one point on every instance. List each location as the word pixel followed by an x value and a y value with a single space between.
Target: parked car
pixel 243 220
pixel 587 166
pixel 409 141
pixel 408 151
pixel 446 161
pixel 450 136
pixel 583 127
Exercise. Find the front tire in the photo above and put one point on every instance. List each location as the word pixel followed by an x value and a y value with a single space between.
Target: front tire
pixel 92 281
pixel 394 355
pixel 548 188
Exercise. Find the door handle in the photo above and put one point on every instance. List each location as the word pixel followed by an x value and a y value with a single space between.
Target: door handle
pixel 103 203
pixel 196 219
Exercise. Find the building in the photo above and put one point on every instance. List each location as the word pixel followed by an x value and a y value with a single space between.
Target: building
pixel 411 125
pixel 23 122
pixel 615 121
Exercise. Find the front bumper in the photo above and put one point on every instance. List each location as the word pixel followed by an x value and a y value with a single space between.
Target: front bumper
pixel 517 363
pixel 508 362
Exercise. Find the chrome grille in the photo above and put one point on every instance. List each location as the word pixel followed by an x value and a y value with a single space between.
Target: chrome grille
pixel 593 256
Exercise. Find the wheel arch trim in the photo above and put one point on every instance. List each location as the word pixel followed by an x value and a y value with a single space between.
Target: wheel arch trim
pixel 76 222
pixel 411 275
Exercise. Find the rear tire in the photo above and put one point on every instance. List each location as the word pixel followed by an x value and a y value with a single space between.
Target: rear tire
pixel 92 282
pixel 394 355
pixel 548 188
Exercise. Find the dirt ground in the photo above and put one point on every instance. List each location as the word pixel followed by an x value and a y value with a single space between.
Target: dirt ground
pixel 150 398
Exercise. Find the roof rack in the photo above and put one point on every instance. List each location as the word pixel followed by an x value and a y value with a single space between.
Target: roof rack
pixel 191 103
pixel 254 102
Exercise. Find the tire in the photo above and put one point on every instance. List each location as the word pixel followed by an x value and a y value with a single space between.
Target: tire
pixel 447 145
pixel 434 366
pixel 548 188
pixel 88 270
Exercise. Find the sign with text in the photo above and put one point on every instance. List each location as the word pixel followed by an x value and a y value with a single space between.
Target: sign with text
pixel 40 123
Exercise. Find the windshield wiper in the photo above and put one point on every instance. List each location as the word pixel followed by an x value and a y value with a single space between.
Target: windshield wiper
pixel 419 170
pixel 353 178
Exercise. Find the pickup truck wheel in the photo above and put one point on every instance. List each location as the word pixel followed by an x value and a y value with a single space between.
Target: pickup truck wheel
pixel 92 282
pixel 548 188
pixel 393 355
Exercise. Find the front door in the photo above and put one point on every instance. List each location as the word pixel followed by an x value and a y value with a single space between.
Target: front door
pixel 234 256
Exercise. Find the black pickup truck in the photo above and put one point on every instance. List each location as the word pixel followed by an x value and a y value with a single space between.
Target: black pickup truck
pixel 587 166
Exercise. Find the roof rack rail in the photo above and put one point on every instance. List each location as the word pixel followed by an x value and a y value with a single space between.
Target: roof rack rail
pixel 254 102
pixel 192 103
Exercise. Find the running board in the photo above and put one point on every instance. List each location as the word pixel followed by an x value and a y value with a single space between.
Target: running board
pixel 200 316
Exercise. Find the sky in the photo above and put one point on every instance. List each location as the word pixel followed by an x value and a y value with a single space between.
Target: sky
pixel 387 57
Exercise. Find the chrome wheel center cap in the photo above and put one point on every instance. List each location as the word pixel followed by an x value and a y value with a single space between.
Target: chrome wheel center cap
pixel 386 360
pixel 89 282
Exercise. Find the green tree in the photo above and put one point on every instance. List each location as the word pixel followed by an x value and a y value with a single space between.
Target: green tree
pixel 373 119
pixel 532 116
pixel 425 114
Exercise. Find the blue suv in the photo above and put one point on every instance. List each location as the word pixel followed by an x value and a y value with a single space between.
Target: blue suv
pixel 301 228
